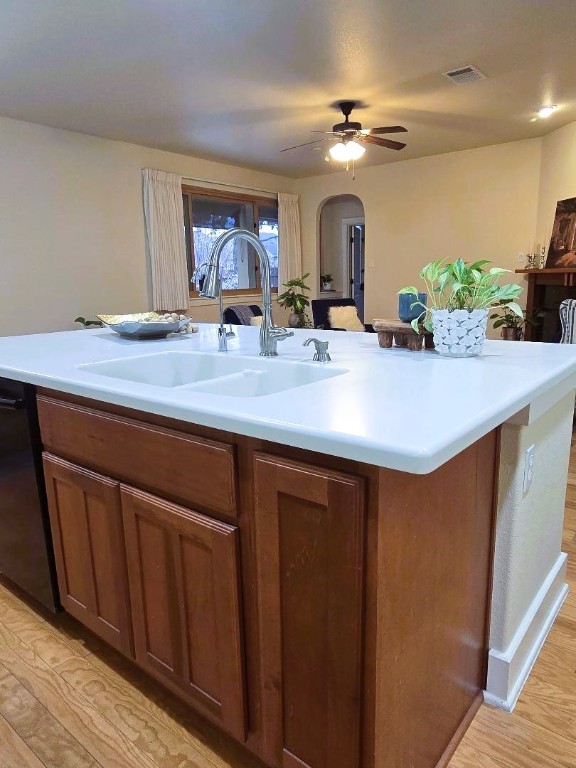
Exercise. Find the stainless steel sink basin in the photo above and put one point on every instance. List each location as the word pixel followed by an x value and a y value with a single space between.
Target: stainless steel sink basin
pixel 215 373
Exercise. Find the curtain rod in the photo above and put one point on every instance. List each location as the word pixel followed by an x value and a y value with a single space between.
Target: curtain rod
pixel 225 184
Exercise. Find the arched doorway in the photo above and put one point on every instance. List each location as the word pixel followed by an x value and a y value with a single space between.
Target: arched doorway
pixel 342 229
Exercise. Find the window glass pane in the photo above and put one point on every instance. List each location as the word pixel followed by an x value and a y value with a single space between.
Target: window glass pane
pixel 268 233
pixel 210 218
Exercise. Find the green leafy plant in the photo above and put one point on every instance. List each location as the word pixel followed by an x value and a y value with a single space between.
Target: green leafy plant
pixel 505 318
pixel 88 323
pixel 327 278
pixel 295 299
pixel 457 285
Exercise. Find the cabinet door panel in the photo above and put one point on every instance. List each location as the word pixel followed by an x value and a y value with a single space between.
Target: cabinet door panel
pixel 184 583
pixel 310 544
pixel 89 548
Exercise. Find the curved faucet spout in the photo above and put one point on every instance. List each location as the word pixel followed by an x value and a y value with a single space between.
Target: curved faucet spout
pixel 212 288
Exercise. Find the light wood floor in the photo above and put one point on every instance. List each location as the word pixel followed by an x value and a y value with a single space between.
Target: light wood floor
pixel 541 732
pixel 67 701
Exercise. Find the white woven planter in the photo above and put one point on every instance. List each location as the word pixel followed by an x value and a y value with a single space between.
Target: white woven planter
pixel 459 333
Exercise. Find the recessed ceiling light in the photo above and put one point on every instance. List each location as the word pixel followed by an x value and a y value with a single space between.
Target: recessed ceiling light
pixel 547 110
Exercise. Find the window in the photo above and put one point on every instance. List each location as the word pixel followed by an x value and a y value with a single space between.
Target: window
pixel 208 214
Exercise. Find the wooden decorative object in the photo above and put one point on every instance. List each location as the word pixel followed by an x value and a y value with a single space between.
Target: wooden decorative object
pixel 402 334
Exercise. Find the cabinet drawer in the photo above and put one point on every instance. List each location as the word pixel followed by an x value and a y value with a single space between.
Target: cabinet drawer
pixel 187 468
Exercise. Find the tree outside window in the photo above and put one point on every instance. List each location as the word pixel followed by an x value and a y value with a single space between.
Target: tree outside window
pixel 208 215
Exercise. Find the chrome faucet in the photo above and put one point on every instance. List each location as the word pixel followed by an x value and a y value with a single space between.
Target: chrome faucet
pixel 212 289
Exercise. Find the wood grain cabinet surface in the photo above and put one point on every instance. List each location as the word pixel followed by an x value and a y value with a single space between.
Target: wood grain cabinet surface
pixel 88 539
pixel 325 613
pixel 310 543
pixel 165 461
pixel 184 584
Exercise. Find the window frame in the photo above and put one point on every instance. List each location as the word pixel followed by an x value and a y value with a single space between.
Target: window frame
pixel 189 191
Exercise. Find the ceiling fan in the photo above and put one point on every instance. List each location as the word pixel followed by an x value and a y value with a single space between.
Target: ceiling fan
pixel 351 135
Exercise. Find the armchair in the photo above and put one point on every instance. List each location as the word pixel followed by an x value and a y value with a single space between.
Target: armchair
pixel 321 313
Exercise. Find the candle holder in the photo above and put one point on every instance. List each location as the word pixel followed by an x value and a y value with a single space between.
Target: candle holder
pixel 542 258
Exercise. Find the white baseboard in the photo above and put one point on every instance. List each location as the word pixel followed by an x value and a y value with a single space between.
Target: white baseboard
pixel 508 670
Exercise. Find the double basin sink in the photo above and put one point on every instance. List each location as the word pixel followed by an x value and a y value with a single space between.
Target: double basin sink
pixel 215 373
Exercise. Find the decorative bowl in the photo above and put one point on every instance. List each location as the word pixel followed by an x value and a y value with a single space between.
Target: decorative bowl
pixel 142 325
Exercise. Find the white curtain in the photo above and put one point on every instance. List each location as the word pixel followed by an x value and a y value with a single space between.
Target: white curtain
pixel 289 247
pixel 164 218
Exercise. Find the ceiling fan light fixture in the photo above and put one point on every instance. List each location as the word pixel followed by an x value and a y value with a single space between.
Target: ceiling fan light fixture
pixel 344 152
pixel 547 110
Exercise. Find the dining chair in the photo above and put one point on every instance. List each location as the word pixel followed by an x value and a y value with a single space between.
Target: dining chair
pixel 568 321
pixel 241 314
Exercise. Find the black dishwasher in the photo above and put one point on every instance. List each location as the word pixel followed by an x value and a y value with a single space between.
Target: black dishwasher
pixel 26 556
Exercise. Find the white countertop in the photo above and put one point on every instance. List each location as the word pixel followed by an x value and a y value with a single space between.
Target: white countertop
pixel 404 410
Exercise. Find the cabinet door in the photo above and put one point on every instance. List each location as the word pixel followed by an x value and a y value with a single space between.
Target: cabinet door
pixel 184 583
pixel 309 549
pixel 86 524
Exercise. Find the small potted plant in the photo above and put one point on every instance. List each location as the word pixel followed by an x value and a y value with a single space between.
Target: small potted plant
pixel 88 323
pixel 296 300
pixel 460 297
pixel 512 325
pixel 326 281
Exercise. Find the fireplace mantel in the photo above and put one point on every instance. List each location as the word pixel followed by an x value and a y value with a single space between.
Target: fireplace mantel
pixel 539 281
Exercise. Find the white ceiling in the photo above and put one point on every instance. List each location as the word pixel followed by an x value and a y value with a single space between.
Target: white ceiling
pixel 239 80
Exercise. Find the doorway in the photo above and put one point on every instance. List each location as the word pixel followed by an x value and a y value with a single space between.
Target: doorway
pixel 341 252
pixel 353 231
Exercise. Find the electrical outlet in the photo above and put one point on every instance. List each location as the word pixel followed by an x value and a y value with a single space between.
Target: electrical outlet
pixel 521 258
pixel 528 468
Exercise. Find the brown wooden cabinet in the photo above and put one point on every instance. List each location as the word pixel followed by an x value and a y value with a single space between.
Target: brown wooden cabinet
pixel 184 584
pixel 310 543
pixel 335 614
pixel 89 549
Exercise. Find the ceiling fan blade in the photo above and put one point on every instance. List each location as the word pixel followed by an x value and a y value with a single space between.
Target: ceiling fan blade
pixel 389 129
pixel 383 142
pixel 306 143
pixel 331 133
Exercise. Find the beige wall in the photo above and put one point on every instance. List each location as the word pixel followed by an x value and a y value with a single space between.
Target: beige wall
pixel 479 203
pixel 557 177
pixel 72 232
pixel 71 224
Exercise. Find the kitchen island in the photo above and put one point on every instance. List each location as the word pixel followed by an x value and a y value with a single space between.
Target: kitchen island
pixel 310 568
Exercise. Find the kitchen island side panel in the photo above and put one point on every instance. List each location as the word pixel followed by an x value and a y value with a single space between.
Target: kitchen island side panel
pixel 435 550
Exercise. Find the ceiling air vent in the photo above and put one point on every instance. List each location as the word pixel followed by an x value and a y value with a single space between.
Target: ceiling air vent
pixel 464 75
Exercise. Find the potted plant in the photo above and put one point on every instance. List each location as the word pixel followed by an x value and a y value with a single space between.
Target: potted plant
pixel 460 297
pixel 512 325
pixel 88 323
pixel 296 300
pixel 326 281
